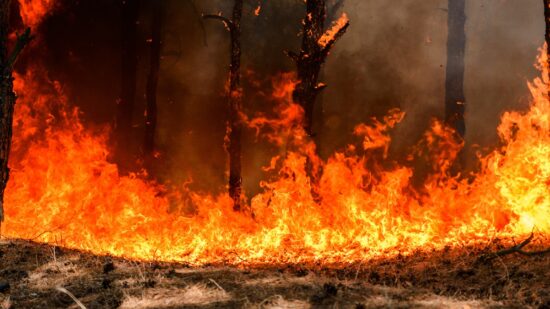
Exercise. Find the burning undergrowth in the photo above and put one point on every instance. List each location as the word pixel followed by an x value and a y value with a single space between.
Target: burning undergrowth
pixel 64 190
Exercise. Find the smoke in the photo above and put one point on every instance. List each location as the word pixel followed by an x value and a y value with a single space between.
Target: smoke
pixel 393 55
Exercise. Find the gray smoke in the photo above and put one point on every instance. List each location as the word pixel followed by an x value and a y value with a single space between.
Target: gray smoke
pixel 393 55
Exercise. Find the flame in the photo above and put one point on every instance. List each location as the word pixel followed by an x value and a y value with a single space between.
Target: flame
pixel 330 34
pixel 33 11
pixel 63 190
pixel 258 9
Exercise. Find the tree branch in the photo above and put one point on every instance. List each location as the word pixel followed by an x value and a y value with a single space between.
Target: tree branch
pixel 335 38
pixel 22 41
pixel 225 20
pixel 516 249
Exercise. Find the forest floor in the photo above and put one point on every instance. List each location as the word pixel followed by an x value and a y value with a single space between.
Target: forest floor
pixel 39 276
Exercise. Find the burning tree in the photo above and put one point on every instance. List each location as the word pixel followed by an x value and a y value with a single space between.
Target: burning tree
pixel 454 81
pixel 316 45
pixel 234 126
pixel 7 96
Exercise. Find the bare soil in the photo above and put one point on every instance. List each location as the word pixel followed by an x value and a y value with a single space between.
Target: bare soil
pixel 39 276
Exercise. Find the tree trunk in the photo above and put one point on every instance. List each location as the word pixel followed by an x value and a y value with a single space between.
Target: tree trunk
pixel 312 56
pixel 234 126
pixel 235 103
pixel 7 96
pixel 152 82
pixel 547 31
pixel 455 101
pixel 316 45
pixel 310 61
pixel 7 101
pixel 129 59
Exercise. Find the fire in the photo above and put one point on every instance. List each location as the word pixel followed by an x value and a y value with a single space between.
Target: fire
pixel 64 191
pixel 333 31
pixel 33 11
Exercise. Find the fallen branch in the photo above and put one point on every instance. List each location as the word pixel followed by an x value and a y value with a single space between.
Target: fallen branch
pixel 516 249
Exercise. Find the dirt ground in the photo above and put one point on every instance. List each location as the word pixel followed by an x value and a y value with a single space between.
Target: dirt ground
pixel 41 276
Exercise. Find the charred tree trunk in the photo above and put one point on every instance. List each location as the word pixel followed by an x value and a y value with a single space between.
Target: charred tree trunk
pixel 7 96
pixel 234 127
pixel 129 60
pixel 547 31
pixel 152 82
pixel 309 61
pixel 455 100
pixel 316 45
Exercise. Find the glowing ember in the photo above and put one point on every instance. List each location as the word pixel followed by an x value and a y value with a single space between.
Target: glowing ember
pixel 64 191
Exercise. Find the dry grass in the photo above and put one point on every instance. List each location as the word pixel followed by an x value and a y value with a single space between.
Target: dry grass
pixel 452 278
pixel 196 294
pixel 5 303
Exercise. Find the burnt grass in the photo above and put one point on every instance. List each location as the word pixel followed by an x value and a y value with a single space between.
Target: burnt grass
pixel 449 278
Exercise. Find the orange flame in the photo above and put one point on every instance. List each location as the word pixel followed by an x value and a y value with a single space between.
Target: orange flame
pixel 330 35
pixel 33 11
pixel 64 191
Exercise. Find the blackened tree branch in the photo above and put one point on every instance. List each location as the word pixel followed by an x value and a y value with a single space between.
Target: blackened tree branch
pixel 516 249
pixel 225 20
pixel 22 41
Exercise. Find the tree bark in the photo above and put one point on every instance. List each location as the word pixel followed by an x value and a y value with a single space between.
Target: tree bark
pixel 152 82
pixel 547 31
pixel 7 96
pixel 129 60
pixel 234 126
pixel 455 100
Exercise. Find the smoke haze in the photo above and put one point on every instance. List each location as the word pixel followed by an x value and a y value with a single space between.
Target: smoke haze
pixel 393 55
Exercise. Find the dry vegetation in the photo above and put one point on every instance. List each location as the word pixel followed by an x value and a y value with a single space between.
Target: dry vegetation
pixel 41 276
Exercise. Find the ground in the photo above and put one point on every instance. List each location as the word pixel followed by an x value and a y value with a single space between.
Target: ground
pixel 43 276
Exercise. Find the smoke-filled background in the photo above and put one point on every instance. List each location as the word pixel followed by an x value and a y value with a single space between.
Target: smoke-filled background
pixel 393 55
